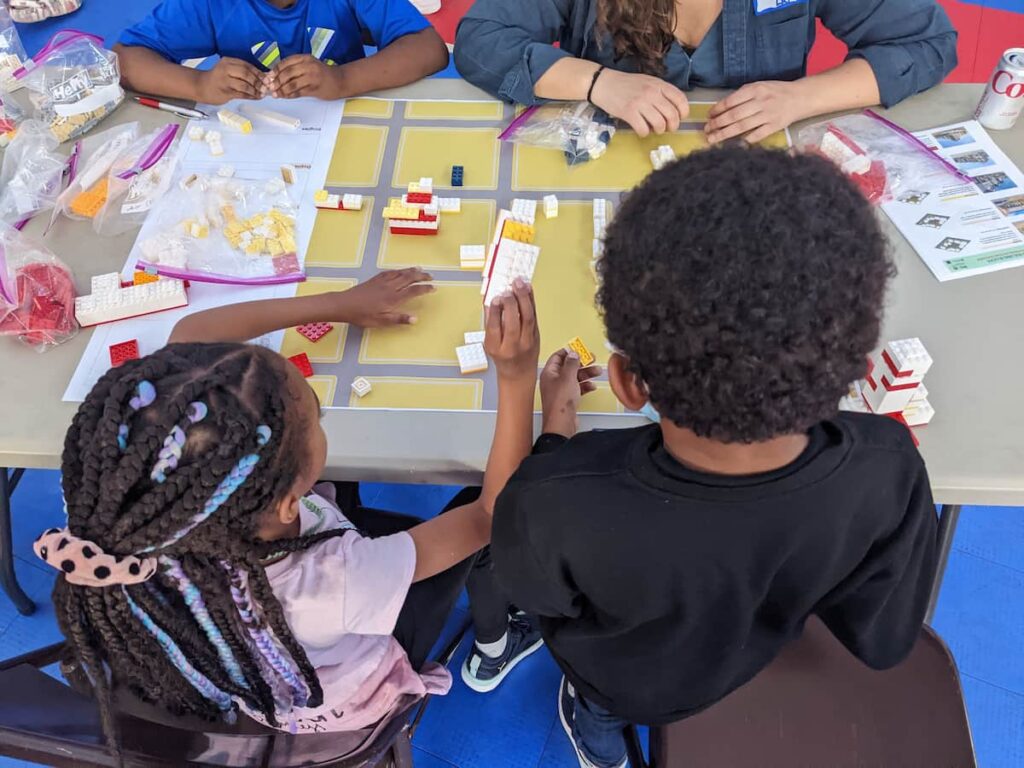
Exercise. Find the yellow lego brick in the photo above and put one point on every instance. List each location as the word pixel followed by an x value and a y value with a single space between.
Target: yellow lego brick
pixel 235 240
pixel 522 233
pixel 251 249
pixel 401 212
pixel 274 247
pixel 260 243
pixel 141 278
pixel 228 212
pixel 586 356
pixel 233 228
pixel 289 245
pixel 320 196
pixel 200 231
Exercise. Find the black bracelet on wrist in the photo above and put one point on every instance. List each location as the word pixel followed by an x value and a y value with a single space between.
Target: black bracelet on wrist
pixel 593 82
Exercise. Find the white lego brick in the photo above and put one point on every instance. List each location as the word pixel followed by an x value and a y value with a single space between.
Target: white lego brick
pixel 105 283
pixel 600 208
pixel 226 171
pixel 431 210
pixel 472 253
pixel 599 228
pixel 196 132
pixel 213 136
pixel 909 356
pixel 918 413
pixel 109 304
pixel 449 204
pixel 921 393
pixel 216 148
pixel 472 358
pixel 426 184
pixel 524 210
pixel 270 116
pixel 511 261
pixel 550 207
pixel 331 202
pixel 474 337
pixel 882 399
pixel 847 155
pixel 352 202
pixel 361 387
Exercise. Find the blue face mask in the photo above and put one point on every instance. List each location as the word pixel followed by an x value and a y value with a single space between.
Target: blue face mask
pixel 650 413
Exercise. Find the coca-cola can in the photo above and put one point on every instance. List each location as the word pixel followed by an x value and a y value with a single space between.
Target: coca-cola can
pixel 1003 100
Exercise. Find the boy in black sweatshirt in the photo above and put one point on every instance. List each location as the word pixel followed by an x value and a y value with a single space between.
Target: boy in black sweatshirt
pixel 669 564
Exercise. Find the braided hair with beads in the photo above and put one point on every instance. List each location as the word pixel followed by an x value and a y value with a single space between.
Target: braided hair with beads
pixel 176 457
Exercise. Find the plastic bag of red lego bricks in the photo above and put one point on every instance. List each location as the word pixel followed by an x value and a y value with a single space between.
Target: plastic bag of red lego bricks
pixel 37 292
pixel 218 229
pixel 580 130
pixel 881 158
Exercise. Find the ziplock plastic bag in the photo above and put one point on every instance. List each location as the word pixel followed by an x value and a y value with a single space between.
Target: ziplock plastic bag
pixel 12 52
pixel 877 155
pixel 138 177
pixel 72 83
pixel 580 130
pixel 37 292
pixel 11 116
pixel 91 161
pixel 223 230
pixel 31 175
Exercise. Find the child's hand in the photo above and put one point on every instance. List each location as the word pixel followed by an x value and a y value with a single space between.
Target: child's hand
pixel 230 79
pixel 562 384
pixel 376 302
pixel 512 336
pixel 304 75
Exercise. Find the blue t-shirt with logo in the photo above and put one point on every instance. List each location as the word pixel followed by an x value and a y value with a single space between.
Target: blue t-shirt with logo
pixel 262 34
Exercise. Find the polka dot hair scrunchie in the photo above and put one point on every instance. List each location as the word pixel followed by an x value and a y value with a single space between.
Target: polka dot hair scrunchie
pixel 86 564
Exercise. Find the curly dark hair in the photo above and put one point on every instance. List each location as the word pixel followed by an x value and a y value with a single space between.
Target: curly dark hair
pixel 211 598
pixel 746 286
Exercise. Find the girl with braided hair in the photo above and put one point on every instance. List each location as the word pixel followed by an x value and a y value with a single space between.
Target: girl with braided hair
pixel 201 572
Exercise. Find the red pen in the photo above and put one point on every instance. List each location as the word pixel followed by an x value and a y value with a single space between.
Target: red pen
pixel 174 109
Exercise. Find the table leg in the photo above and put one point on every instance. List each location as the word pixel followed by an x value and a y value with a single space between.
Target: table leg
pixel 949 514
pixel 8 580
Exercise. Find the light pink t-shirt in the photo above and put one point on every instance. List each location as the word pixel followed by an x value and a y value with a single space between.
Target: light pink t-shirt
pixel 341 599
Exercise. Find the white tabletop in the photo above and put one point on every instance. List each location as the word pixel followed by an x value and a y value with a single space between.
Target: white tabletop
pixel 973 328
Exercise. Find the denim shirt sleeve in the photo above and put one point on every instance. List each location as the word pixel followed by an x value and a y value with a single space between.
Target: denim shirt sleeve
pixel 505 46
pixel 910 44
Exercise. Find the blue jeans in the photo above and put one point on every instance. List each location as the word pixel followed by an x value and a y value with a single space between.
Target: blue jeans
pixel 599 733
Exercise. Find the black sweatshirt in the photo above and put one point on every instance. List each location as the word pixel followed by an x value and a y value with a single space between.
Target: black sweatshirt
pixel 661 589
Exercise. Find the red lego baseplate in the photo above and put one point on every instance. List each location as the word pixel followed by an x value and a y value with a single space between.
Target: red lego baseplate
pixel 314 331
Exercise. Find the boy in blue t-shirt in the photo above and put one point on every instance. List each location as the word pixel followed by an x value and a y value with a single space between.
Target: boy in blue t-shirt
pixel 285 48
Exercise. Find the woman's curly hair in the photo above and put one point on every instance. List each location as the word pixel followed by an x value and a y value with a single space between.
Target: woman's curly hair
pixel 641 30
pixel 746 286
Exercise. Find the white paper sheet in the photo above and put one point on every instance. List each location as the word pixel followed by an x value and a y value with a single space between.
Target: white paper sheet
pixel 258 155
pixel 962 229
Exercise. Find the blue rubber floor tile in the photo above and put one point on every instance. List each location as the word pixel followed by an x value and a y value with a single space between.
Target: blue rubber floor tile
pixel 419 500
pixel 422 759
pixel 36 505
pixel 979 615
pixel 507 728
pixel 997 723
pixel 558 751
pixel 992 533
pixel 10 762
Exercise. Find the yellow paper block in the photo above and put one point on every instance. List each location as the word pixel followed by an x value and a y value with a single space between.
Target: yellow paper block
pixel 374 108
pixel 454 110
pixel 626 163
pixel 440 251
pixel 325 387
pixel 431 152
pixel 562 282
pixel 442 318
pixel 357 156
pixel 601 400
pixel 338 239
pixel 415 392
pixel 329 349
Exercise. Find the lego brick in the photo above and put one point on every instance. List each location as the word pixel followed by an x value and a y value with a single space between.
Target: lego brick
pixel 274 186
pixel 314 331
pixel 405 230
pixel 518 231
pixel 472 253
pixel 524 211
pixel 361 387
pixel 550 207
pixel 586 356
pixel 212 136
pixel 141 278
pixel 268 115
pixel 881 399
pixel 301 361
pixel 907 358
pixel 918 413
pixel 458 175
pixel 352 202
pixel 472 358
pixel 510 261
pixel 401 212
pixel 196 132
pixel 326 201
pixel 226 171
pixel 216 148
pixel 109 301
pixel 449 204
pixel 662 156
pixel 288 174
pixel 844 152
pixel 474 337
pixel 123 352
pixel 234 121
pixel 422 198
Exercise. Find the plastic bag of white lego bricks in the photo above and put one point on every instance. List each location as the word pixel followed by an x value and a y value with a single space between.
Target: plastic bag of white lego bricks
pixel 220 229
pixel 90 162
pixel 37 292
pixel 71 84
pixel 137 178
pixel 881 158
pixel 31 174
pixel 12 52
pixel 580 130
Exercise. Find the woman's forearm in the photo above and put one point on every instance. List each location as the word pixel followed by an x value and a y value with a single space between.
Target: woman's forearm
pixel 849 86
pixel 567 79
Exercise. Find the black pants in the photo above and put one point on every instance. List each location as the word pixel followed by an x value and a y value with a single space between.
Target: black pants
pixel 429 602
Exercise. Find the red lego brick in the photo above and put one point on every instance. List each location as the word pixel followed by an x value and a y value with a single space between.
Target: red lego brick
pixel 407 231
pixel 314 331
pixel 423 198
pixel 126 350
pixel 426 217
pixel 301 361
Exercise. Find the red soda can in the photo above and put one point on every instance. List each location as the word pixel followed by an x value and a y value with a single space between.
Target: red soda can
pixel 1003 100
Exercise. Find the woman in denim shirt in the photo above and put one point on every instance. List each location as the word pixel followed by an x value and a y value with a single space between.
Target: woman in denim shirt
pixel 634 58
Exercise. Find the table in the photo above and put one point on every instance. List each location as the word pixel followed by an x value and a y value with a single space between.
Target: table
pixel 971 327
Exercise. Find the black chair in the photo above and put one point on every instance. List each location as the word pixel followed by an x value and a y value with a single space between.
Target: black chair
pixel 45 721
pixel 818 706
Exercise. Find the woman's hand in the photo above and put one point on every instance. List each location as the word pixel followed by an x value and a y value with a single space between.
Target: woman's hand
pixel 648 104
pixel 378 301
pixel 755 111
pixel 562 384
pixel 512 336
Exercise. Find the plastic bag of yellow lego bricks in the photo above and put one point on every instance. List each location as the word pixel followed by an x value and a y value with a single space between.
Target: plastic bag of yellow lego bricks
pixel 12 52
pixel 71 84
pixel 220 229
pixel 138 177
pixel 31 173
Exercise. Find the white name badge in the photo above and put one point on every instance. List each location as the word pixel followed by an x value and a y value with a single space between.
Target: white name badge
pixel 767 6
